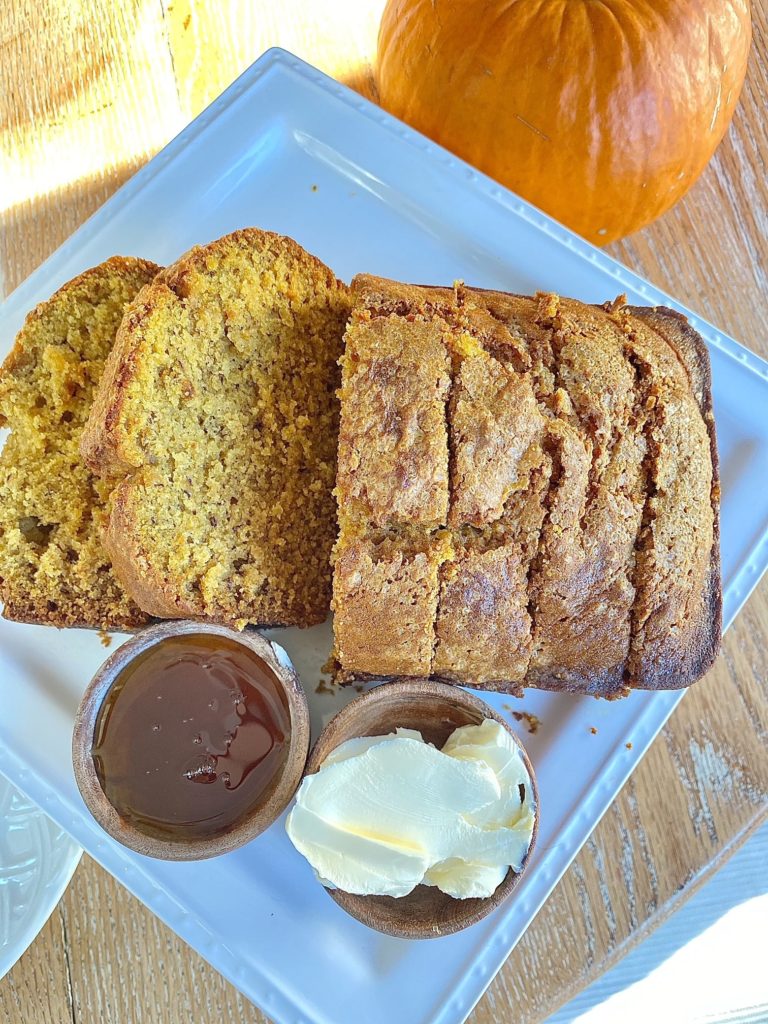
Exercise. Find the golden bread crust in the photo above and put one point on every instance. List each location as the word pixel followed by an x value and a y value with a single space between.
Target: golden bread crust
pixel 680 651
pixel 217 419
pixel 580 550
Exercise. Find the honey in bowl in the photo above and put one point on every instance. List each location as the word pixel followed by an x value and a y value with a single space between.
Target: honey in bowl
pixel 191 736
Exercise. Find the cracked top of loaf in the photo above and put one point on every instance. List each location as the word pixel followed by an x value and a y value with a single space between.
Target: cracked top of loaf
pixel 527 492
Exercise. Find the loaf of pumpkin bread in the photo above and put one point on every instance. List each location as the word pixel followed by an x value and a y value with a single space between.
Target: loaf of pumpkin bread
pixel 216 423
pixel 527 493
pixel 53 566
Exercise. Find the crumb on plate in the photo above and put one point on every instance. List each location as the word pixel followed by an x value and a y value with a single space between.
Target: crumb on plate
pixel 330 666
pixel 532 722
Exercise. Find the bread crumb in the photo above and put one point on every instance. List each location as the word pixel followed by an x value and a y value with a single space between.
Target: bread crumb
pixel 314 188
pixel 628 746
pixel 105 638
pixel 532 722
pixel 593 730
pixel 330 666
pixel 618 695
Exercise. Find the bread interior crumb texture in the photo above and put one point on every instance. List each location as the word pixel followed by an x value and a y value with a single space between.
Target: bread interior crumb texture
pixel 53 565
pixel 219 412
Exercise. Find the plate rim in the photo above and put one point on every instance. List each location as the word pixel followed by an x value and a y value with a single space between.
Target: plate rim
pixel 16 949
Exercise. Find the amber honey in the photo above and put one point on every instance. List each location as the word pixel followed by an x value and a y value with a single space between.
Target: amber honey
pixel 191 736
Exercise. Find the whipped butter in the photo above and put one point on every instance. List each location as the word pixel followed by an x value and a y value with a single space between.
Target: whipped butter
pixel 387 813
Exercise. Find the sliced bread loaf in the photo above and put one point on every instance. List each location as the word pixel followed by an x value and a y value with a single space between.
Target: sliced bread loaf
pixel 528 493
pixel 53 566
pixel 218 416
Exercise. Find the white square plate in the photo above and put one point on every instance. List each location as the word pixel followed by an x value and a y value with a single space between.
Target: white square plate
pixel 286 148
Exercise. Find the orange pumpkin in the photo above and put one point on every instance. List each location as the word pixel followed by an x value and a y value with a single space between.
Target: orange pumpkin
pixel 603 113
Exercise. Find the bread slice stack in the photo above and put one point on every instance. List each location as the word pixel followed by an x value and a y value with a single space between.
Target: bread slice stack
pixel 216 424
pixel 196 480
pixel 53 566
pixel 528 493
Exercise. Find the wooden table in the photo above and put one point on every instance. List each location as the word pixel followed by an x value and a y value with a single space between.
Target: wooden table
pixel 90 89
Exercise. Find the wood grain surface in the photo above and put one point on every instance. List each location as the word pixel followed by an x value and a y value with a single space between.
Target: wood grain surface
pixel 89 90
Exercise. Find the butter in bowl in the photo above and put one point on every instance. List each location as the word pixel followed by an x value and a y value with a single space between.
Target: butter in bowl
pixel 419 809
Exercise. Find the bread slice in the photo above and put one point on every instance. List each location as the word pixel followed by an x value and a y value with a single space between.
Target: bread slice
pixel 535 502
pixel 53 566
pixel 667 647
pixel 217 415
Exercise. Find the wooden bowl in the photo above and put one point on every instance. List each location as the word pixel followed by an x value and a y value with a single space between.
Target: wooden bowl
pixel 435 709
pixel 256 820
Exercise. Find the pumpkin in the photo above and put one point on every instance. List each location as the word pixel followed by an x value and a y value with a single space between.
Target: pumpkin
pixel 603 113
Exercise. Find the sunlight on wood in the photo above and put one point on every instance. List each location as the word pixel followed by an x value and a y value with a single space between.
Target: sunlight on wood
pixel 213 42
pixel 104 93
pixel 114 82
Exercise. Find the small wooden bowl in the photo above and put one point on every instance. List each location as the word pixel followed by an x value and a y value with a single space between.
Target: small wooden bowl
pixel 256 820
pixel 435 709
